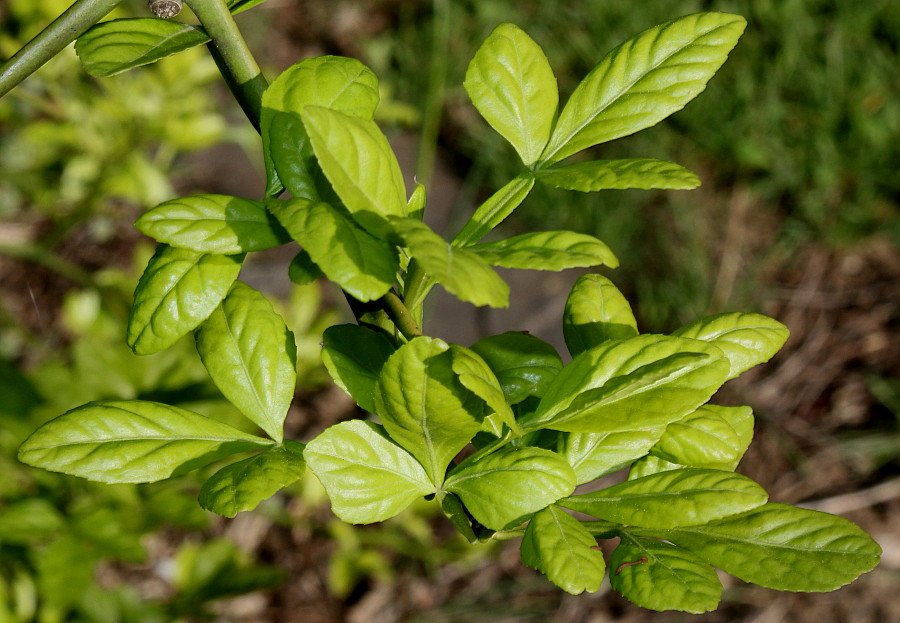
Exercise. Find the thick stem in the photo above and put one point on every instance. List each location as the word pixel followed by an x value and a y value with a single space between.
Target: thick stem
pixel 52 40
pixel 400 316
pixel 232 55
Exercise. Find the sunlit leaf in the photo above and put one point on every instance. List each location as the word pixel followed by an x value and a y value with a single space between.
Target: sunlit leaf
pixel 644 173
pixel 547 250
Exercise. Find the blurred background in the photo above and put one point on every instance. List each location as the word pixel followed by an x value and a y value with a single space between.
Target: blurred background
pixel 795 139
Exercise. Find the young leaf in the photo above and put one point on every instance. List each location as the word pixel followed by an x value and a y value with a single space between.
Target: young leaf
pixel 116 46
pixel 302 270
pixel 659 576
pixel 746 339
pixel 367 476
pixel 782 547
pixel 478 378
pixel 460 271
pixel 557 545
pixel 423 405
pixel 132 441
pixel 641 383
pixel 596 312
pixel 547 250
pixel 360 164
pixel 495 210
pixel 503 488
pixel 524 364
pixel 649 465
pixel 644 173
pixel 456 513
pixel 592 455
pixel 250 355
pixel 712 436
pixel 178 290
pixel 361 264
pixel 242 486
pixel 213 224
pixel 644 80
pixel 511 84
pixel 682 497
pixel 342 84
pixel 354 356
pixel 415 207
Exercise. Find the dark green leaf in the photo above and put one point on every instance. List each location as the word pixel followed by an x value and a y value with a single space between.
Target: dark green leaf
pixel 477 377
pixel 302 270
pixel 524 364
pixel 644 173
pixel 354 356
pixel 132 441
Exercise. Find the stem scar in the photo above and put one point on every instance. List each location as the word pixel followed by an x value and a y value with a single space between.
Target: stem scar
pixel 630 564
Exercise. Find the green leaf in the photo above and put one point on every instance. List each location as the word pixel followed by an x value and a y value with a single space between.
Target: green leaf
pixel 213 224
pixel 682 497
pixel 456 513
pixel 476 376
pixel 239 6
pixel 361 264
pixel 415 207
pixel 242 486
pixel 178 290
pixel 644 173
pixel 712 436
pixel 592 455
pixel 28 521
pixel 342 84
pixel 367 476
pixel 116 46
pixel 557 545
pixel 659 576
pixel 251 356
pixel 302 270
pixel 360 164
pixel 782 547
pixel 495 210
pixel 639 383
pixel 132 441
pixel 424 406
pixel 596 312
pixel 354 357
pixel 547 250
pixel 511 84
pixel 644 80
pixel 524 364
pixel 746 339
pixel 460 271
pixel 503 488
pixel 649 465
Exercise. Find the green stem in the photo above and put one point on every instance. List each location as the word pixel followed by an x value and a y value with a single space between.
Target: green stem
pixel 400 316
pixel 232 55
pixel 52 40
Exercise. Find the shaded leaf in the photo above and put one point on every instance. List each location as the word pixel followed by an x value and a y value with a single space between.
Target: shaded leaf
pixel 476 376
pixel 354 356
pixel 302 270
pixel 495 210
pixel 596 312
pixel 644 173
pixel 524 364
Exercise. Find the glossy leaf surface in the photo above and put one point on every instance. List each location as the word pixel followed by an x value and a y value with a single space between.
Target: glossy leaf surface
pixel 424 406
pixel 112 47
pixel 523 364
pixel 354 356
pixel 659 576
pixel 351 257
pixel 242 486
pixel 251 356
pixel 547 250
pixel 643 173
pixel 636 384
pixel 132 441
pixel 476 376
pixel 596 312
pixel 178 290
pixel 511 84
pixel 712 436
pixel 367 476
pixel 783 547
pixel 302 270
pixel 460 271
pixel 495 210
pixel 745 339
pixel 683 497
pixel 213 224
pixel 557 545
pixel 503 488
pixel 360 164
pixel 592 455
pixel 644 80
pixel 335 82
